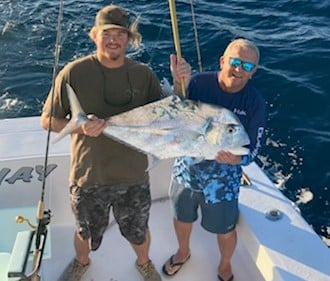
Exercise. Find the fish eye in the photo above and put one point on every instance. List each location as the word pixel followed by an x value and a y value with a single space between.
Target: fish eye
pixel 231 129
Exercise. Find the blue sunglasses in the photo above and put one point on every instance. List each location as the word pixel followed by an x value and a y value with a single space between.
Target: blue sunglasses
pixel 246 65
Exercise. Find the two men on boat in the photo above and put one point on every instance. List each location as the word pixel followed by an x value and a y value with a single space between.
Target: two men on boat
pixel 105 174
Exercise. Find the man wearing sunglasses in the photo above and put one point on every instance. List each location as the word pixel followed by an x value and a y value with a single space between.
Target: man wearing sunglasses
pixel 213 185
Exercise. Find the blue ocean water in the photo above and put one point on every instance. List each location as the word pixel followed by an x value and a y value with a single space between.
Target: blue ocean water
pixel 294 40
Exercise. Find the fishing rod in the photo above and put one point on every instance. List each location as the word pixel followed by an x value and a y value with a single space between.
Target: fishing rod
pixel 43 216
pixel 38 236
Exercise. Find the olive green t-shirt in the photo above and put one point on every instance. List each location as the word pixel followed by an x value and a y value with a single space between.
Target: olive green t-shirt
pixel 104 92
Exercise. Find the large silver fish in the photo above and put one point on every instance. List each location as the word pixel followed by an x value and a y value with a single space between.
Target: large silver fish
pixel 171 127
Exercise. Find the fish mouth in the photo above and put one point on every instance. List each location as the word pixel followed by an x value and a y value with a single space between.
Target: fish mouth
pixel 239 151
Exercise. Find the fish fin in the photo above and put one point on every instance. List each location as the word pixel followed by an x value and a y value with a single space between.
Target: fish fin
pixel 75 106
pixel 68 129
pixel 78 116
pixel 167 89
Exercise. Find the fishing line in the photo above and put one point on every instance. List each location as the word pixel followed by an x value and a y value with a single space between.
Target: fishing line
pixel 153 48
pixel 55 67
pixel 199 57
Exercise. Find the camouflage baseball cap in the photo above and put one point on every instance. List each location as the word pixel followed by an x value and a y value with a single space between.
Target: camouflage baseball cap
pixel 112 17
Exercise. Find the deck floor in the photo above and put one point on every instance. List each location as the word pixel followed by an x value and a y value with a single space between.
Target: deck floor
pixel 114 260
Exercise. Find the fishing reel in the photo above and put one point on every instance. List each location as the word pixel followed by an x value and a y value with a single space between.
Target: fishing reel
pixel 28 242
pixel 45 220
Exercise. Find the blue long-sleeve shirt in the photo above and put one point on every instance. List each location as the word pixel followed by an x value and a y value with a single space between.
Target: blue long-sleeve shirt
pixel 217 181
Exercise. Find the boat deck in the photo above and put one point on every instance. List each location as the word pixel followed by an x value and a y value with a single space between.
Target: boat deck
pixel 114 260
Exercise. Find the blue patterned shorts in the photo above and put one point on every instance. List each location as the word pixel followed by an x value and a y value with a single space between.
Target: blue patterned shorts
pixel 219 218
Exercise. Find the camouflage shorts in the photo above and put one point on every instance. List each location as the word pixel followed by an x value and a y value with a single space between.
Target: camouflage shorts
pixel 91 208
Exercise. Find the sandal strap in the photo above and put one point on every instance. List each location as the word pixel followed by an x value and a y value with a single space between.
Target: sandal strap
pixel 172 263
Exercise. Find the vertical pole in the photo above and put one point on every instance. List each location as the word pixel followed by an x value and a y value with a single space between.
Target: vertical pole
pixel 176 39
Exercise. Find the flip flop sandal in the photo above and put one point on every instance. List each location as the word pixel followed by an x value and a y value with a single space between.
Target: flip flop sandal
pixel 231 278
pixel 168 267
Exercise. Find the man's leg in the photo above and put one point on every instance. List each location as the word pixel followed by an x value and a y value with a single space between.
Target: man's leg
pixel 143 262
pixel 82 249
pixel 227 244
pixel 142 251
pixel 175 262
pixel 183 232
pixel 79 265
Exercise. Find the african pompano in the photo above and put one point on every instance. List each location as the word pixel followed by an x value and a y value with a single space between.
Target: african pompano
pixel 171 127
